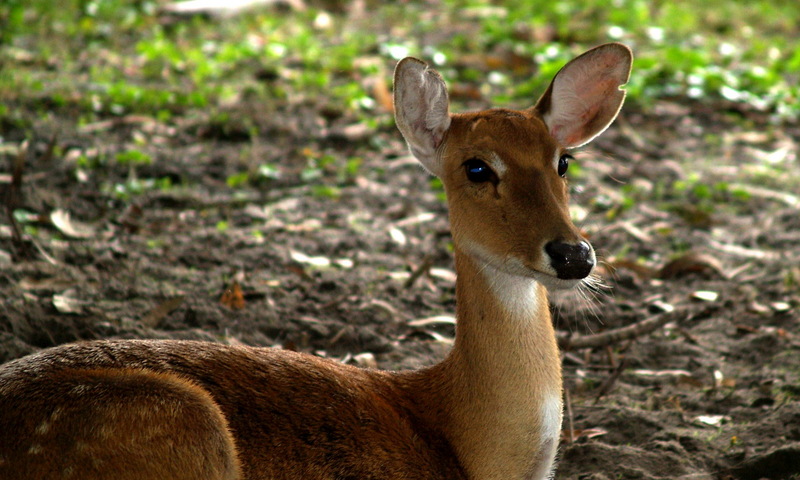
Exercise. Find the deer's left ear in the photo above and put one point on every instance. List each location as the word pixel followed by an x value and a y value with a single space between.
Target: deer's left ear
pixel 585 96
pixel 421 110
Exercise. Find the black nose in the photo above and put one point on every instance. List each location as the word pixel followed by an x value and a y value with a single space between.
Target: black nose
pixel 571 261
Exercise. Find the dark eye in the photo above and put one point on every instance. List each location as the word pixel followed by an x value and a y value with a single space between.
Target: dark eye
pixel 563 164
pixel 478 171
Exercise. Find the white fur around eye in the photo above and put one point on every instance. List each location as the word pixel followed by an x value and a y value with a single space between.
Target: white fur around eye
pixel 497 164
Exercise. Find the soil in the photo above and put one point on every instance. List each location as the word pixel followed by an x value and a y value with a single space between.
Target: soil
pixel 284 260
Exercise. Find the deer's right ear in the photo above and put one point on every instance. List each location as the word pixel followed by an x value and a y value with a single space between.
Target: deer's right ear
pixel 421 110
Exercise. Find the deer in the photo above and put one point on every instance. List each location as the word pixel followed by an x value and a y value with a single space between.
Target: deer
pixel 491 409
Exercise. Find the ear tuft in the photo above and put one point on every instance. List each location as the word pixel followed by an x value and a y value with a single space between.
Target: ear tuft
pixel 421 109
pixel 585 96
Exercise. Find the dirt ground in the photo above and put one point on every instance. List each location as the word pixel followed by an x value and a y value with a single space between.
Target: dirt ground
pixel 362 272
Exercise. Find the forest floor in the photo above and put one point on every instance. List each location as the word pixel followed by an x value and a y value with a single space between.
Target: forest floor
pixel 350 259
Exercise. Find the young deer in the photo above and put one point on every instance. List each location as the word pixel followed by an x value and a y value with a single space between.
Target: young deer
pixel 125 410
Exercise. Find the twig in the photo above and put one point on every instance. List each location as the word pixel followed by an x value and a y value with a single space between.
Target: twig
pixel 614 336
pixel 610 381
pixel 12 197
pixel 50 149
pixel 570 423
pixel 426 265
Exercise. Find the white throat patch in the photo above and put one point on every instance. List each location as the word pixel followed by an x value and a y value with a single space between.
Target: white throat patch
pixel 516 294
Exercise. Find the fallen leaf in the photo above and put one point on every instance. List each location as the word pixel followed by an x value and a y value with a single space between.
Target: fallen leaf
pixel 780 307
pixel 718 378
pixel 398 236
pixel 365 360
pixel 711 420
pixel 744 329
pixel 423 217
pixel 465 91
pixel 318 261
pixel 233 297
pixel 439 337
pixel 380 91
pixel 353 133
pixel 443 274
pixel 662 373
pixel 154 316
pixel 705 295
pixel 345 263
pixel 582 433
pixel 298 270
pixel 692 262
pixel 64 303
pixel 642 271
pixel 49 283
pixel 759 308
pixel 71 228
pixel 660 306
pixel 636 232
pixel 437 320
pixel 225 8
pixel 382 306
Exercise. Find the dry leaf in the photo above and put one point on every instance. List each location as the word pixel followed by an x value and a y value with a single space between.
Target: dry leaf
pixel 67 304
pixel 780 307
pixel 662 373
pixel 443 274
pixel 345 263
pixel 380 91
pixel 745 329
pixel 154 316
pixel 319 261
pixel 582 433
pixel 711 420
pixel 71 228
pixel 365 360
pixel 423 217
pixel 50 283
pixel 387 308
pixel 660 306
pixel 642 271
pixel 743 252
pixel 693 262
pixel 354 132
pixel 439 337
pixel 398 236
pixel 705 295
pixel 755 307
pixel 437 320
pixel 298 270
pixel 233 297
pixel 225 8
pixel 465 92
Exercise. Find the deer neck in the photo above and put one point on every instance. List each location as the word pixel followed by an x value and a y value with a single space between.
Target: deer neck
pixel 502 409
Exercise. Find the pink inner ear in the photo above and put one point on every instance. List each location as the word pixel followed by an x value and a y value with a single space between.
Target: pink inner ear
pixel 575 138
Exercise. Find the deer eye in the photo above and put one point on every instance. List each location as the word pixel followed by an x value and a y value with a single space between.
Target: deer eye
pixel 478 171
pixel 563 164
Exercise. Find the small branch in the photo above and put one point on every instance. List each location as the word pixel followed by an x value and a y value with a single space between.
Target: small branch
pixel 608 384
pixel 13 197
pixel 614 336
pixel 426 265
pixel 570 418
